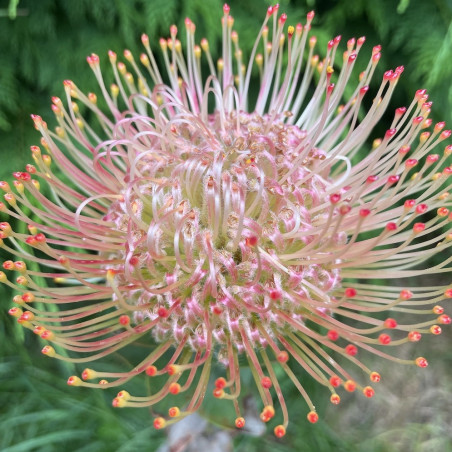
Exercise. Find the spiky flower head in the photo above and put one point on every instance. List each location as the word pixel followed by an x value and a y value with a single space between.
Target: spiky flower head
pixel 223 220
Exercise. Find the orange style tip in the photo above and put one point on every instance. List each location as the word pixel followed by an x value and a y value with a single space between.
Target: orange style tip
pixel 406 294
pixel 333 335
pixel 173 369
pixel 8 265
pixel 390 323
pixel 24 323
pixel 240 422
pixel 384 339
pixel 74 381
pixel 48 351
pixel 151 371
pixel 267 413
pixel 159 423
pixel 251 241
pixel 88 374
pixel 174 411
pixel 174 388
pixel 124 320
pixel 47 335
pixel 335 399
pixel 27 316
pixel 128 55
pixel 335 381
pixel 22 281
pixel 438 310
pixel 414 336
pixel 350 385
pixel 119 402
pixel 266 382
pixel 218 393
pixel 368 391
pixel 163 312
pixel 375 377
pixel 435 329
pixel 144 59
pixel 110 274
pixel 283 357
pixel 350 292
pixel 220 383
pixel 279 431
pixel 15 312
pixel 103 382
pixel 421 362
pixel 313 417
pixel 123 395
pixel 28 297
pixel 38 330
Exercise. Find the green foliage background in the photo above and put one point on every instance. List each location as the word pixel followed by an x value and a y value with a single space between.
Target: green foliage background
pixel 43 42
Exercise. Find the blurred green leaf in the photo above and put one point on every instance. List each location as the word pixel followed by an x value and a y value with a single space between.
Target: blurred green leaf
pixel 50 438
pixel 402 6
pixel 12 8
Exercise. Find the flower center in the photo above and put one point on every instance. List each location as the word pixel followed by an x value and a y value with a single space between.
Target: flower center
pixel 211 230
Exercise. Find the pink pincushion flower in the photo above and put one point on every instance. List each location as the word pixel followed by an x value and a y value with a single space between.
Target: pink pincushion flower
pixel 251 227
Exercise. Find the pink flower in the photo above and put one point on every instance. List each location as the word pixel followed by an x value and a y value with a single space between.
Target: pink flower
pixel 223 224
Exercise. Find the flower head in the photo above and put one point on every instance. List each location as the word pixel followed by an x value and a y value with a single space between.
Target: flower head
pixel 224 223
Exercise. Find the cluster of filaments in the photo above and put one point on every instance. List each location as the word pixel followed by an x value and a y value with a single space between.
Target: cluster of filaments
pixel 238 231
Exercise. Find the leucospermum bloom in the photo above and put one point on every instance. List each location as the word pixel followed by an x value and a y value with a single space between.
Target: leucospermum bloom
pixel 216 223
